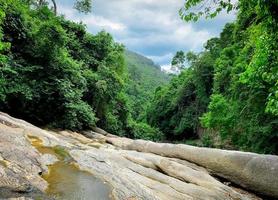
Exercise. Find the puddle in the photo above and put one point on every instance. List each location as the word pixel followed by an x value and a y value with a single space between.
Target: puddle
pixel 66 181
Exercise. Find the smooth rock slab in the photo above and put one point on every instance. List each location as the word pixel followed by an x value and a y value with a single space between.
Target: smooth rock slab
pixel 158 172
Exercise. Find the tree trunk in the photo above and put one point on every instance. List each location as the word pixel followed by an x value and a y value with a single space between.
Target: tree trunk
pixel 54 6
pixel 41 2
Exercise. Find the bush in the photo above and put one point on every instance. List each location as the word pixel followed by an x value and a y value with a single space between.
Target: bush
pixel 144 131
pixel 79 115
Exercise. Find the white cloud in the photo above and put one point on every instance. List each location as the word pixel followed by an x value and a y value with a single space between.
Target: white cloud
pixel 151 27
pixel 103 23
pixel 166 68
pixel 91 20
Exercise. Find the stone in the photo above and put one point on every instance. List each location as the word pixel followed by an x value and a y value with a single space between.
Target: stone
pixel 252 171
pixel 134 169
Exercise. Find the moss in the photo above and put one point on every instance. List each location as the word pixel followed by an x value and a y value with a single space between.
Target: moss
pixel 61 153
pixel 58 151
pixel 3 163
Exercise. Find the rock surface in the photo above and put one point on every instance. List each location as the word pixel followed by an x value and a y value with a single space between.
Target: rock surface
pixel 137 170
pixel 252 171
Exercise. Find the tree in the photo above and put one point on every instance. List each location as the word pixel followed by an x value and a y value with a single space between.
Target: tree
pixel 52 72
pixel 176 108
pixel 194 9
pixel 230 89
pixel 178 61
pixel 81 5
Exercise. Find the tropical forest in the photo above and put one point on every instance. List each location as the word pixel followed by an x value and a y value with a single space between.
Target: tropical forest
pixel 90 113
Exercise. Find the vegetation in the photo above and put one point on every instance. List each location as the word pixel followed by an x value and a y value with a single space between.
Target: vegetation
pixel 143 78
pixel 193 10
pixel 176 108
pixel 54 73
pixel 229 94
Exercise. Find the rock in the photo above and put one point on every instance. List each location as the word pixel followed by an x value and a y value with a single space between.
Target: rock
pixel 152 172
pixel 100 131
pixel 48 159
pixel 251 171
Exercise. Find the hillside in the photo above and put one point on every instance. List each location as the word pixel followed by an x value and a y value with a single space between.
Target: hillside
pixel 144 77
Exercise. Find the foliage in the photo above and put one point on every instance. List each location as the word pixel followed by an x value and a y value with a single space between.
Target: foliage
pixel 143 78
pixel 228 95
pixel 179 60
pixel 83 6
pixel 243 107
pixel 176 108
pixel 144 131
pixel 194 9
pixel 54 73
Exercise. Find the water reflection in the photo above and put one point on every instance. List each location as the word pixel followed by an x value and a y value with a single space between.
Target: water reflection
pixel 66 181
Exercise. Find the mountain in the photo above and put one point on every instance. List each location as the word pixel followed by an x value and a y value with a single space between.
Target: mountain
pixel 144 77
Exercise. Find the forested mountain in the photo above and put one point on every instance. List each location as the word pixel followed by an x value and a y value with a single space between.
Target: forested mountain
pixel 229 94
pixel 143 78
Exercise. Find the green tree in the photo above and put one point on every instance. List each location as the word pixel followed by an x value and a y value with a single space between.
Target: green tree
pixel 245 79
pixel 176 108
pixel 178 60
pixel 194 9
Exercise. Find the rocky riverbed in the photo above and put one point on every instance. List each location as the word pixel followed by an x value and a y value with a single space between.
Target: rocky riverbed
pixel 44 164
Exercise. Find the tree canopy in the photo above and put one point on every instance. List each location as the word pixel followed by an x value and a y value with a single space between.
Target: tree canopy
pixel 228 96
pixel 54 73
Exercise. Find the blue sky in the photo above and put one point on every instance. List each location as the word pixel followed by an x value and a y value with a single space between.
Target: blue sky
pixel 150 27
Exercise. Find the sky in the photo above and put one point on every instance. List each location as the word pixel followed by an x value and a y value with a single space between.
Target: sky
pixel 152 28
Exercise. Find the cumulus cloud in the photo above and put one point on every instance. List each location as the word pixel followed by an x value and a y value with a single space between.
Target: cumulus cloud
pixel 150 27
pixel 101 22
pixel 167 68
pixel 96 21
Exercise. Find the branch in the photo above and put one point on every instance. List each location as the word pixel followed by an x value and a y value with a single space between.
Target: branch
pixel 54 6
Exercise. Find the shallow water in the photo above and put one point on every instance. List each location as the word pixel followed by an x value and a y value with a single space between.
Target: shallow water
pixel 66 181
